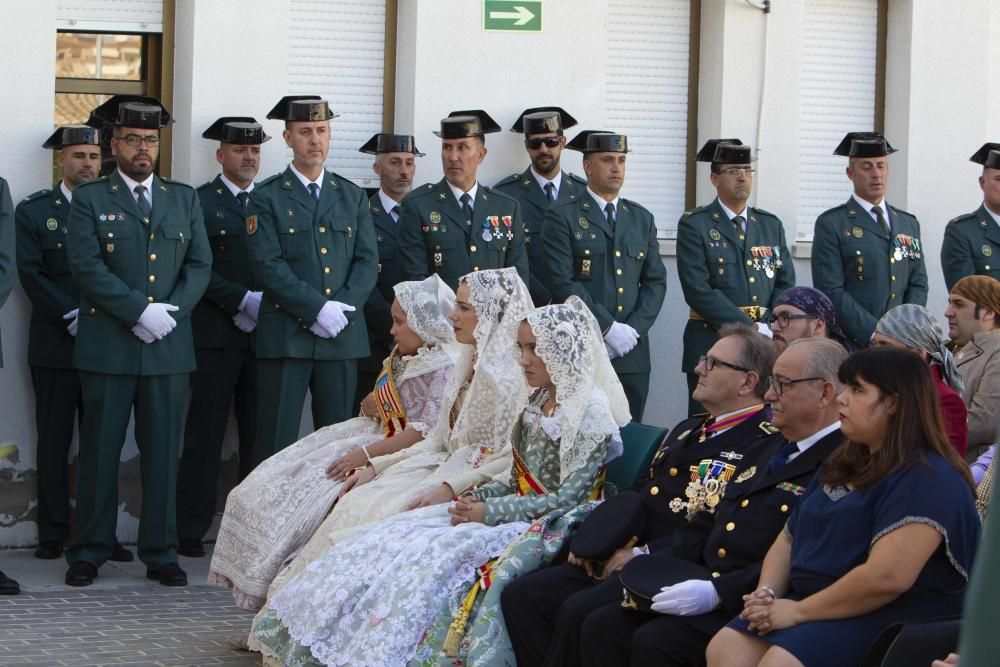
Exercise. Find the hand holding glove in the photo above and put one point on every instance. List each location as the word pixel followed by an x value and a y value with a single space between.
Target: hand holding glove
pixel 332 318
pixel 244 322
pixel 319 330
pixel 143 334
pixel 74 317
pixel 621 338
pixel 156 319
pixel 251 305
pixel 688 598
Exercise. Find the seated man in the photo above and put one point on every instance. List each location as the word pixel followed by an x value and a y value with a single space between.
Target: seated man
pixel 804 312
pixel 729 544
pixel 544 610
pixel 973 316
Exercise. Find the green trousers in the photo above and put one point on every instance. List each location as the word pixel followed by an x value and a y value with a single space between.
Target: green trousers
pixel 108 401
pixel 636 386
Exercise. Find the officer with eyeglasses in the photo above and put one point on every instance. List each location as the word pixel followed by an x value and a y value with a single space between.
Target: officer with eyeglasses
pixel 732 259
pixel 541 184
pixel 804 312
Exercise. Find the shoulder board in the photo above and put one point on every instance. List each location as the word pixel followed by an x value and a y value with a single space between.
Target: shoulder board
pixel 961 218
pixel 697 209
pixel 835 209
pixel 513 178
pixel 635 204
pixel 499 194
pixel 422 191
pixel 173 182
pixel 578 179
pixel 762 211
pixel 266 181
pixel 102 179
pixel 36 195
pixel 768 428
pixel 896 209
pixel 204 186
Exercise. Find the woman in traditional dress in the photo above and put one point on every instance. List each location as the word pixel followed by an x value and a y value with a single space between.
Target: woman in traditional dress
pixel 368 601
pixel 887 531
pixel 278 506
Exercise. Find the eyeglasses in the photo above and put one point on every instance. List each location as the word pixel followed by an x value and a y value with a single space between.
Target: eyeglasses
pixel 784 319
pixel 134 140
pixel 535 144
pixel 736 171
pixel 780 384
pixel 711 362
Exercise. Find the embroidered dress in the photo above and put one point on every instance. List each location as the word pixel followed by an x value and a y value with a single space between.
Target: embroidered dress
pixel 278 506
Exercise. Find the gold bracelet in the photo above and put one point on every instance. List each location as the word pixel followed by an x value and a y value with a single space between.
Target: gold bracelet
pixel 368 456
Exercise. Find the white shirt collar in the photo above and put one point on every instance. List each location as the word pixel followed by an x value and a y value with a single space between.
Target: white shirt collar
pixel 305 181
pixel 806 443
pixel 542 181
pixel 235 189
pixel 995 216
pixel 388 203
pixel 130 184
pixel 458 193
pixel 601 202
pixel 66 192
pixel 867 205
pixel 731 214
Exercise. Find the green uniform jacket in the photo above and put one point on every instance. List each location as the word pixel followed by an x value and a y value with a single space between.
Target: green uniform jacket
pixel 719 272
pixel 43 266
pixel 970 241
pixel 618 274
pixel 122 264
pixel 524 188
pixel 306 253
pixel 864 272
pixel 378 313
pixel 232 274
pixel 7 267
pixel 432 237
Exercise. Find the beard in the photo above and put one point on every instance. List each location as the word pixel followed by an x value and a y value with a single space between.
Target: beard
pixel 135 170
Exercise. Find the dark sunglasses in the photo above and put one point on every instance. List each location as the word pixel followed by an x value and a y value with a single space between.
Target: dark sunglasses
pixel 535 144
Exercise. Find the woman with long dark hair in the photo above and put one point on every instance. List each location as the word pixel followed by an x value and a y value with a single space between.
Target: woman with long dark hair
pixel 887 532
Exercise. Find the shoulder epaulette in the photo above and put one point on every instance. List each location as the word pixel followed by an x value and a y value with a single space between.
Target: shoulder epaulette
pixel 102 179
pixel 635 204
pixel 36 195
pixel 964 216
pixel 762 211
pixel 269 179
pixel 899 210
pixel 578 179
pixel 513 178
pixel 173 182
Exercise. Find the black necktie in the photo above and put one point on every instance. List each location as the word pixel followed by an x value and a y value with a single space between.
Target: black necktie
pixel 880 219
pixel 781 458
pixel 395 212
pixel 243 196
pixel 550 191
pixel 143 203
pixel 609 214
pixel 467 208
pixel 314 190
pixel 738 221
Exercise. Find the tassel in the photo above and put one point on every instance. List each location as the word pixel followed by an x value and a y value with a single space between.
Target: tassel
pixel 456 631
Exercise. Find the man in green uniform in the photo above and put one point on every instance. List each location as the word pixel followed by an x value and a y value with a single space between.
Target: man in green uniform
pixel 867 255
pixel 603 249
pixel 458 225
pixel 312 246
pixel 395 164
pixel 971 240
pixel 732 258
pixel 223 324
pixel 541 184
pixel 7 585
pixel 139 254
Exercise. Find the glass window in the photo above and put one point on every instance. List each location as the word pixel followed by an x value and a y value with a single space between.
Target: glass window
pixel 98 56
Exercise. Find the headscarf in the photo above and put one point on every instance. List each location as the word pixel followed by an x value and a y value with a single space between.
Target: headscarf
pixel 814 303
pixel 984 291
pixel 591 400
pixel 427 304
pixel 915 327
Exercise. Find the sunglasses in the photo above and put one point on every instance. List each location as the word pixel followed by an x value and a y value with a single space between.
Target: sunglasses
pixel 535 144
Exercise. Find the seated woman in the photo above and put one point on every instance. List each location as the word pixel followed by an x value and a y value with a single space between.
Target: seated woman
pixel 887 531
pixel 486 390
pixel 913 327
pixel 368 601
pixel 277 507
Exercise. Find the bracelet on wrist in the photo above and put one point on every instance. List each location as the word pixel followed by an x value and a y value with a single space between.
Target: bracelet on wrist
pixel 368 456
pixel 769 591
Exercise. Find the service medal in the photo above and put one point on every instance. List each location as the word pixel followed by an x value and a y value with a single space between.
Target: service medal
pixel 714 234
pixel 52 225
pixel 487 236
pixel 584 223
pixel 102 217
pixel 898 254
pixel 987 251
pixel 858 232
pixel 435 217
pixel 769 272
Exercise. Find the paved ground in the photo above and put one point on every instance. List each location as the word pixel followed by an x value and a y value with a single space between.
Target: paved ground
pixel 123 619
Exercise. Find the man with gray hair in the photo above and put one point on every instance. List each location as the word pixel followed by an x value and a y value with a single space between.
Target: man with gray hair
pixel 698 586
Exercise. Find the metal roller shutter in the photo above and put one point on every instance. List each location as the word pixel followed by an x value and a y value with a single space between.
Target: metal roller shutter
pixel 110 15
pixel 839 45
pixel 647 99
pixel 337 50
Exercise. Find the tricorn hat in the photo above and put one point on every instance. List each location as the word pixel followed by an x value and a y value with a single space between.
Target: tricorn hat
pixel 988 156
pixel 243 130
pixel 301 108
pixel 140 111
pixel 390 143
pixel 864 144
pixel 542 120
pixel 707 152
pixel 73 135
pixel 468 123
pixel 599 141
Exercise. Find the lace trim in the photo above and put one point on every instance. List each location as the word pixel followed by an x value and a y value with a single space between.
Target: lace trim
pixel 907 520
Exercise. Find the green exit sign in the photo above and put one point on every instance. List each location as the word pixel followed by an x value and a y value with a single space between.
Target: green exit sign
pixel 523 15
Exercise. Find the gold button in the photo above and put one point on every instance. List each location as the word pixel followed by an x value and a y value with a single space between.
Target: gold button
pixel 784 508
pixel 641 254
pixel 322 251
pixel 222 233
pixel 149 299
pixel 277 307
pixel 326 269
pixel 744 502
pixel 716 575
pixel 987 267
pixel 152 257
pixel 618 271
pixel 722 553
pixel 111 235
pixel 152 236
pixel 730 527
pixel 892 260
pixel 328 291
pixel 673 472
pixel 59 245
pixel 722 271
pixel 620 309
pixel 894 278
pixel 749 263
pixel 859 252
pixel 322 230
pixel 752 280
pixel 93 311
pixel 586 251
pixel 892 296
pixel 472 248
pixel 475 268
pixel 291 230
pixel 618 253
pixel 152 279
pixel 621 290
pixel 721 260
pixel 654 491
pixel 753 298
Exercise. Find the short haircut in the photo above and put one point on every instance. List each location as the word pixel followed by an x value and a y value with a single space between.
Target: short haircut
pixel 825 357
pixel 757 354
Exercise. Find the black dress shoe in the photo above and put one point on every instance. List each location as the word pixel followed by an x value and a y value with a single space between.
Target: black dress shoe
pixel 120 554
pixel 81 573
pixel 49 550
pixel 191 548
pixel 168 575
pixel 8 586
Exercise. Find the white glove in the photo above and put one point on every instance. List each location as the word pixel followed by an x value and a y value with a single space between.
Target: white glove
pixel 143 334
pixel 251 305
pixel 244 322
pixel 621 338
pixel 611 351
pixel 74 317
pixel 319 331
pixel 331 317
pixel 156 319
pixel 688 598
pixel 765 330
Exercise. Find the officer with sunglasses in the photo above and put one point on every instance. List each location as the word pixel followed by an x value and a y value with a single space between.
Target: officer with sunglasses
pixel 732 259
pixel 541 184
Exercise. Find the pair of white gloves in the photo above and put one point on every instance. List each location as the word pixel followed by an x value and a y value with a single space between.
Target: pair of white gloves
pixel 245 318
pixel 688 598
pixel 154 323
pixel 331 319
pixel 620 339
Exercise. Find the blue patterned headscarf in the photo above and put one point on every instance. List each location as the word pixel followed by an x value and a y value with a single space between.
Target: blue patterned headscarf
pixel 814 303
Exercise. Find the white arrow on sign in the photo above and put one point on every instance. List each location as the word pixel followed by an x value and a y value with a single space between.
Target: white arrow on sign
pixel 522 14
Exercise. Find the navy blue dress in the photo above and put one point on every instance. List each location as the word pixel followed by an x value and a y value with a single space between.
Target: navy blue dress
pixel 833 530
